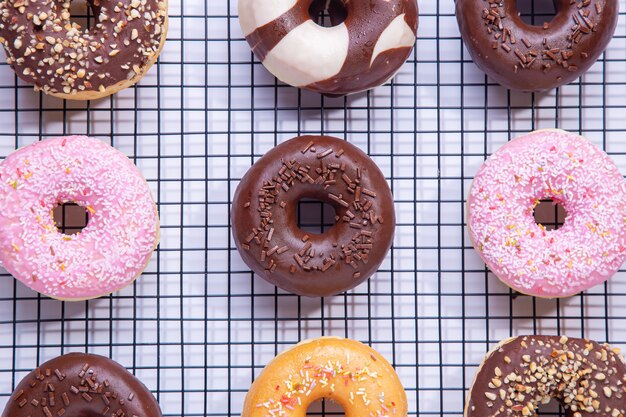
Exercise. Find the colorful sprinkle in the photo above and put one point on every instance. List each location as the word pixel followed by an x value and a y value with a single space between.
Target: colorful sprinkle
pixel 112 249
pixel 593 193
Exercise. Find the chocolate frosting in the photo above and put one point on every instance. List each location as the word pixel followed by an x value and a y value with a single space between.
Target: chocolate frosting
pixel 365 21
pixel 47 49
pixel 522 373
pixel 524 57
pixel 333 171
pixel 79 384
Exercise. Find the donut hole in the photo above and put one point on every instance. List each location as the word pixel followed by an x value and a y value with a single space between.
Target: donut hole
pixel 83 14
pixel 70 218
pixel 315 216
pixel 550 214
pixel 325 407
pixel 536 12
pixel 328 13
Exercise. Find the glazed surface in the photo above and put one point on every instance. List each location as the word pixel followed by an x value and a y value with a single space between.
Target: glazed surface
pixel 47 49
pixel 114 247
pixel 590 246
pixel 522 373
pixel 524 57
pixel 79 384
pixel 330 170
pixel 342 370
pixel 362 52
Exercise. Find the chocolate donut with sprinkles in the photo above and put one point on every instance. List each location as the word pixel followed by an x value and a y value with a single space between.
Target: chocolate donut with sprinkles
pixel 264 216
pixel 521 56
pixel 524 372
pixel 109 253
pixel 553 164
pixel 79 384
pixel 61 58
pixel 361 52
pixel 345 371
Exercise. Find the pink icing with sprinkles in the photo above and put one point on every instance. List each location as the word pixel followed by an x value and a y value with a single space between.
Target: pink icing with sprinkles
pixel 114 247
pixel 590 246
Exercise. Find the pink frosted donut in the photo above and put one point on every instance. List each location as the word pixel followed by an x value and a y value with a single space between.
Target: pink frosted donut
pixel 590 246
pixel 114 247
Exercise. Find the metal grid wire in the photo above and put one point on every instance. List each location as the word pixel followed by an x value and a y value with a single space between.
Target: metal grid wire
pixel 198 326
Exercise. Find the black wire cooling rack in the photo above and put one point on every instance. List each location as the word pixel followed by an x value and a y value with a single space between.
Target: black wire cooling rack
pixel 198 326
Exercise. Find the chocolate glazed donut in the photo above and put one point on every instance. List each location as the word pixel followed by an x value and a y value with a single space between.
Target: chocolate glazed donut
pixel 79 384
pixel 363 52
pixel 47 49
pixel 522 373
pixel 328 169
pixel 529 58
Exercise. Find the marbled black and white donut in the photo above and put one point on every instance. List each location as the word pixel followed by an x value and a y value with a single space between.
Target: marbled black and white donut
pixel 363 52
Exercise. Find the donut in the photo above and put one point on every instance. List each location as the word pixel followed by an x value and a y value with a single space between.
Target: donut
pixel 345 371
pixel 529 58
pixel 120 236
pixel 61 58
pixel 79 384
pixel 524 372
pixel 264 221
pixel 549 164
pixel 362 52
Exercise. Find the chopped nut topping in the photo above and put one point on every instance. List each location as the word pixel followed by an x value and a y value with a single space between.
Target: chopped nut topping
pixel 525 372
pixel 42 35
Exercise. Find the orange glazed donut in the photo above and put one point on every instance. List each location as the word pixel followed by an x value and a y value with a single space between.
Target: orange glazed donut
pixel 346 371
